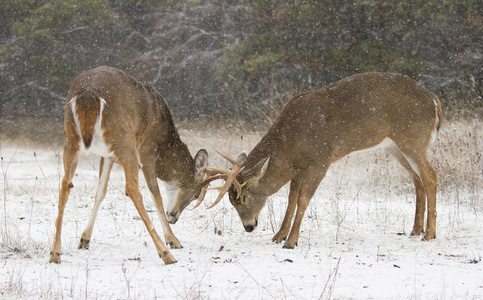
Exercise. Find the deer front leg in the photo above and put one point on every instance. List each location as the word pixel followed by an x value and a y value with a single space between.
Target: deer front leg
pixel 136 197
pixel 151 180
pixel 169 236
pixel 105 171
pixel 132 189
pixel 293 238
pixel 282 233
pixel 309 182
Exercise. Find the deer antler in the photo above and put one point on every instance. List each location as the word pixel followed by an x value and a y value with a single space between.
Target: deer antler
pixel 228 175
pixel 210 176
pixel 202 195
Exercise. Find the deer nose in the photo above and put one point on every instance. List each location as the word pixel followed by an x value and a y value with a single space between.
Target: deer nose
pixel 172 217
pixel 249 228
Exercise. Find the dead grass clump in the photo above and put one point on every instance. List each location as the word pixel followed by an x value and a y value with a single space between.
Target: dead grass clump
pixel 33 131
pixel 457 157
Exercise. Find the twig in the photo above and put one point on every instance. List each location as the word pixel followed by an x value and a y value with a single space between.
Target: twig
pixel 43 174
pixel 5 184
pixel 264 288
pixel 331 288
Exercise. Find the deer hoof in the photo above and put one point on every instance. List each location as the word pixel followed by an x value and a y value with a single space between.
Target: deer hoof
pixel 167 257
pixel 417 232
pixel 288 245
pixel 429 236
pixel 54 257
pixel 84 243
pixel 174 244
pixel 278 238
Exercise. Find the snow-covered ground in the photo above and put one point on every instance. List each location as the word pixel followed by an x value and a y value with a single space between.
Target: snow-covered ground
pixel 354 240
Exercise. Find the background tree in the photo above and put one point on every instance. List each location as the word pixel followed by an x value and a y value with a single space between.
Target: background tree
pixel 49 45
pixel 237 59
pixel 311 43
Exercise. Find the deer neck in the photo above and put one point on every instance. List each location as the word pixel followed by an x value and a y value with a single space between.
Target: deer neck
pixel 175 163
pixel 279 170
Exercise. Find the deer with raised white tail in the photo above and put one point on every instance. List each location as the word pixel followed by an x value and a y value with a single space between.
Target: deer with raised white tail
pixel 110 114
pixel 319 127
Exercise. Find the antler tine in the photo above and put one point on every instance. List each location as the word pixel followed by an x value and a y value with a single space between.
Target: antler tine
pixel 213 178
pixel 212 175
pixel 223 191
pixel 228 175
pixel 238 186
pixel 202 195
pixel 231 179
pixel 214 171
pixel 234 162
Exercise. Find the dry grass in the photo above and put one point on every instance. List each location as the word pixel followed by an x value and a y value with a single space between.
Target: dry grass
pixel 457 156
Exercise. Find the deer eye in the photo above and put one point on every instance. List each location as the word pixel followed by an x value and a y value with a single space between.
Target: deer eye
pixel 244 198
pixel 238 200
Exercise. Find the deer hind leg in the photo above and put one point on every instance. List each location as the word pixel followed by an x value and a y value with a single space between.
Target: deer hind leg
pixel 130 165
pixel 104 172
pixel 425 180
pixel 149 170
pixel 70 164
pixel 310 180
pixel 418 227
pixel 429 179
pixel 284 230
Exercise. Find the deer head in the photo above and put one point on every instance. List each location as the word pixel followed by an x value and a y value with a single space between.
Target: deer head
pixel 250 199
pixel 181 194
pixel 243 187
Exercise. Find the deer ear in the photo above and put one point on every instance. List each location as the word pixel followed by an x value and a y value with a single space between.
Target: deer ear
pixel 201 162
pixel 241 158
pixel 264 168
pixel 258 171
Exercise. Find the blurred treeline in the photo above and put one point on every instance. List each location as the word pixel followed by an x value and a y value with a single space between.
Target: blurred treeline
pixel 235 59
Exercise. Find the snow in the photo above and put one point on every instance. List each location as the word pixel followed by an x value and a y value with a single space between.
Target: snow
pixel 354 240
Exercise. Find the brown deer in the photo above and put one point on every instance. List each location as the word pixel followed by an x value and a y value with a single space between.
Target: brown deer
pixel 319 127
pixel 110 114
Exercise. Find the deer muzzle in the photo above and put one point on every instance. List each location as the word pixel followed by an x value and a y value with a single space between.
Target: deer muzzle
pixel 250 227
pixel 172 216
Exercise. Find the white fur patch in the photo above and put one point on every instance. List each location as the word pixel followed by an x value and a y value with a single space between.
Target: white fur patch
pixel 172 190
pixel 72 104
pixel 389 145
pixel 386 143
pixel 98 145
pixel 437 120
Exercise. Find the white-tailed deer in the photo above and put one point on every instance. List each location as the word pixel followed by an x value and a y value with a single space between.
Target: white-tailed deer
pixel 110 114
pixel 319 127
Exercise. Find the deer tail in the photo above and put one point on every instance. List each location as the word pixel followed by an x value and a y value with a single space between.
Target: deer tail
pixel 438 118
pixel 87 108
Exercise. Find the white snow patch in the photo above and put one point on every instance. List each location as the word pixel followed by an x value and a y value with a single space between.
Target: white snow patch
pixel 354 241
